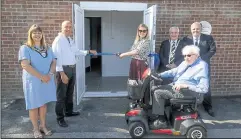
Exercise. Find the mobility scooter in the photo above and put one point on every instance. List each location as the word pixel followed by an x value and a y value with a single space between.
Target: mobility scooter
pixel 181 114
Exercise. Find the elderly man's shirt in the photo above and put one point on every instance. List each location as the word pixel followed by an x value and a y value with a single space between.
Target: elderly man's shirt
pixel 143 49
pixel 65 50
pixel 195 76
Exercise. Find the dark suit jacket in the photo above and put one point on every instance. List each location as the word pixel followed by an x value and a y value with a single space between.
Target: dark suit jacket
pixel 206 44
pixel 164 54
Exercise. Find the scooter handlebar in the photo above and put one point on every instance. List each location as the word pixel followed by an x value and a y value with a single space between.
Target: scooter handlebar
pixel 155 76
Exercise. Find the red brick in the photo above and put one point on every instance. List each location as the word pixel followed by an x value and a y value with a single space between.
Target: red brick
pixel 224 15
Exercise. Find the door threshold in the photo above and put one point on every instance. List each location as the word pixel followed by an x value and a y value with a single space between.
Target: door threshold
pixel 106 94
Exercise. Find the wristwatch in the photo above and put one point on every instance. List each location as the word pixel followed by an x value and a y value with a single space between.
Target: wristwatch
pixel 51 73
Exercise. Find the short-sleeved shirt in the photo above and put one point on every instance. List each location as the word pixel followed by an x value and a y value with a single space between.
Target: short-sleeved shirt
pixel 143 49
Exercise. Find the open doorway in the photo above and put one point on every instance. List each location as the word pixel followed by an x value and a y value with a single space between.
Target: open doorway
pixel 118 30
pixel 93 39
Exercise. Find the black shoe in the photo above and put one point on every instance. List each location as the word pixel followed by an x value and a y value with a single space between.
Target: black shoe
pixel 210 112
pixel 72 114
pixel 62 123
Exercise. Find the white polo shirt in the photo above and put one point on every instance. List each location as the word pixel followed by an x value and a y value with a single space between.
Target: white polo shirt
pixel 65 51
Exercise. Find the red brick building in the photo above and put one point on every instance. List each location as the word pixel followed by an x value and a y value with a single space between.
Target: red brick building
pixel 224 15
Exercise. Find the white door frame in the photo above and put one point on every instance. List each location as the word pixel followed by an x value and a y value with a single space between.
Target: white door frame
pixel 112 6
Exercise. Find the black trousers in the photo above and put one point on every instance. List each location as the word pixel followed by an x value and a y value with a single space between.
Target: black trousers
pixel 163 93
pixel 207 101
pixel 65 93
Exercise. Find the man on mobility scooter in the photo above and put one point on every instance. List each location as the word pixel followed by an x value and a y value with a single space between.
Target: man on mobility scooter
pixel 190 82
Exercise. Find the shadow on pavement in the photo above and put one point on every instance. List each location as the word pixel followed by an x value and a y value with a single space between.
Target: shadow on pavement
pixel 107 115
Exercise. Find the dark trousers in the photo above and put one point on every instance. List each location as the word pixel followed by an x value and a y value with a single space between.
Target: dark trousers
pixel 207 101
pixel 65 93
pixel 163 93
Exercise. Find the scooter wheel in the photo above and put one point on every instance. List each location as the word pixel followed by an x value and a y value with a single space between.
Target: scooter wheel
pixel 196 132
pixel 137 129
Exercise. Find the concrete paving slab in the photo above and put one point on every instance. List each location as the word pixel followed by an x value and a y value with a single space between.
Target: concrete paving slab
pixel 104 117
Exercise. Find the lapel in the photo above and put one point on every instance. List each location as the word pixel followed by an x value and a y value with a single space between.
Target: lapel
pixel 168 46
pixel 179 46
pixel 190 39
pixel 201 40
pixel 178 41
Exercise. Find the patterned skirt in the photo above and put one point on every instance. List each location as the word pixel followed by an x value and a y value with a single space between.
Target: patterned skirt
pixel 137 69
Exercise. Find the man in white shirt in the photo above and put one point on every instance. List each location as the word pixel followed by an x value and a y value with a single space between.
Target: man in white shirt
pixel 65 50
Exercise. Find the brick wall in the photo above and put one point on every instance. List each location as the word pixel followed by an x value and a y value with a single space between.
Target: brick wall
pixel 225 17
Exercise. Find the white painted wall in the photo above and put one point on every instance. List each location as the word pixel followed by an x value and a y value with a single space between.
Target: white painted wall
pixel 118 34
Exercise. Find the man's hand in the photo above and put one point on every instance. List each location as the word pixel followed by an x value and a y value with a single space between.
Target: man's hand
pixel 177 87
pixel 64 78
pixel 171 66
pixel 93 52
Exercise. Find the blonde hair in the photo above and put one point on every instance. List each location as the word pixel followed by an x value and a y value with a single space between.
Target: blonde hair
pixel 137 33
pixel 30 41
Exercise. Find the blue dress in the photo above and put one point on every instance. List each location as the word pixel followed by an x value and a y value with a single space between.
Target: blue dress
pixel 36 92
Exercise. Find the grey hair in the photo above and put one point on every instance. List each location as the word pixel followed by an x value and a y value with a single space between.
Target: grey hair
pixel 191 49
pixel 174 27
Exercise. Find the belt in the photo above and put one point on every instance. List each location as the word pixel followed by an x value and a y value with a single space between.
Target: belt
pixel 70 66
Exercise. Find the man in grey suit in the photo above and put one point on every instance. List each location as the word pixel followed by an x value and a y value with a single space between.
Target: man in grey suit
pixel 207 48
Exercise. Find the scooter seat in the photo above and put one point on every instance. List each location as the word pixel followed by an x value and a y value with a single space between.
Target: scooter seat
pixel 185 100
pixel 188 99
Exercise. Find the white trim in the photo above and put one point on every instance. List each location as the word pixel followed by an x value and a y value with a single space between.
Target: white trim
pixel 106 94
pixel 110 6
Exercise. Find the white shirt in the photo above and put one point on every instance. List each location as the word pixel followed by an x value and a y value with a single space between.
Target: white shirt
pixel 65 51
pixel 196 38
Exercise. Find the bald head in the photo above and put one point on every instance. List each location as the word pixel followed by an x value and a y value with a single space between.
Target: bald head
pixel 196 29
pixel 66 28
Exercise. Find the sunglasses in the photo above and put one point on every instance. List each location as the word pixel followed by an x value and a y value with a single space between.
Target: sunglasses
pixel 189 55
pixel 144 31
pixel 36 33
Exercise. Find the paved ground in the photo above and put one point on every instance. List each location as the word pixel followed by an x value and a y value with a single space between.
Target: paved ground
pixel 104 118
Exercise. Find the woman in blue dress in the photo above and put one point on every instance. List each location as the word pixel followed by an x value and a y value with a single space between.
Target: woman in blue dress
pixel 38 63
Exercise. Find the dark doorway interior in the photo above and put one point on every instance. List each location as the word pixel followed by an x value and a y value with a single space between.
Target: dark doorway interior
pixel 95 44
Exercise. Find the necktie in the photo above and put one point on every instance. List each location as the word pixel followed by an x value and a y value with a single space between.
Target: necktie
pixel 172 53
pixel 196 42
pixel 68 39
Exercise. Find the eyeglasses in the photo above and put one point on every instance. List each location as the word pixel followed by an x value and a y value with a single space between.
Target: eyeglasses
pixel 144 31
pixel 37 33
pixel 189 55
